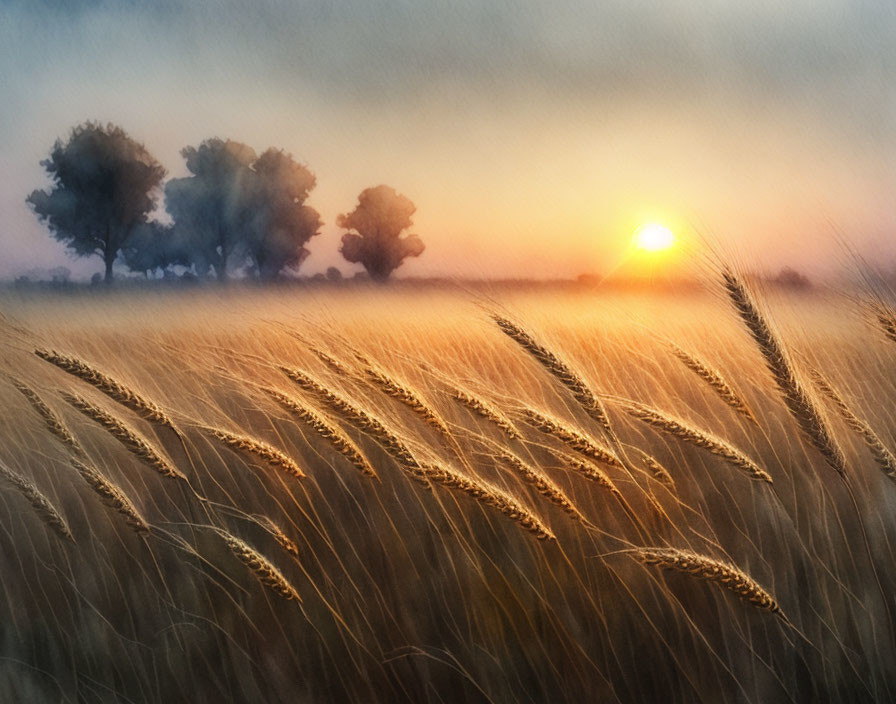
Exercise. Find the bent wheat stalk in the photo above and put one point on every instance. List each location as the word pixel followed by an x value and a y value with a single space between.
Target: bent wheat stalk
pixel 42 506
pixel 260 566
pixel 407 396
pixel 558 369
pixel 259 449
pixel 716 382
pixel 708 569
pixel 327 430
pixel 881 454
pixel 132 441
pixel 700 438
pixel 485 410
pixel 808 416
pixel 361 420
pixel 50 418
pixel 112 496
pixel 489 495
pixel 113 389
pixel 570 437
pixel 538 481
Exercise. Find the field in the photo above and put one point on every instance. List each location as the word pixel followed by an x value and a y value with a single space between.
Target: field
pixel 402 545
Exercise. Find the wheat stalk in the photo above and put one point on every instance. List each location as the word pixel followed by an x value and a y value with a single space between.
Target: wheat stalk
pixel 282 539
pixel 327 430
pixel 361 420
pixel 330 361
pixel 884 458
pixel 405 395
pixel 112 496
pixel 538 481
pixel 50 418
pixel 885 317
pixel 485 410
pixel 570 437
pixel 113 389
pixel 42 506
pixel 489 495
pixel 558 369
pixel 132 441
pixel 710 570
pixel 260 566
pixel 716 382
pixel 657 470
pixel 808 416
pixel 259 449
pixel 700 438
pixel 589 470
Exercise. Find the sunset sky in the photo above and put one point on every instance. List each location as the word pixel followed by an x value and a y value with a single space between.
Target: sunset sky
pixel 534 137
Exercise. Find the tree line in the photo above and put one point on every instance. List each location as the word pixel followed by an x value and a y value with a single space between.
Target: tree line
pixel 236 210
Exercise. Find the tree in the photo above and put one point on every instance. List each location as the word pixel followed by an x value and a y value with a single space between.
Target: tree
pixel 213 208
pixel 282 224
pixel 103 188
pixel 378 220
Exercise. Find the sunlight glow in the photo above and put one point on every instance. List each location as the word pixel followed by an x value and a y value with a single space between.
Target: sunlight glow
pixel 653 237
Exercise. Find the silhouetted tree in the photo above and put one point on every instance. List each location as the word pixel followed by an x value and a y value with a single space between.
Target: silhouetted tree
pixel 213 208
pixel 103 189
pixel 333 274
pixel 155 246
pixel 281 224
pixel 379 219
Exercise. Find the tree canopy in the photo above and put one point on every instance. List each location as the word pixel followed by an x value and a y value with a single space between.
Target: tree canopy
pixel 103 189
pixel 378 220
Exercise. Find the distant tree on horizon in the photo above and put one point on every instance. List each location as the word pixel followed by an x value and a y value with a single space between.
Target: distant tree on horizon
pixel 241 209
pixel 212 208
pixel 282 224
pixel 378 220
pixel 103 189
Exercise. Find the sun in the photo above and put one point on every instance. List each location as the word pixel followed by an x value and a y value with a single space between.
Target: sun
pixel 653 237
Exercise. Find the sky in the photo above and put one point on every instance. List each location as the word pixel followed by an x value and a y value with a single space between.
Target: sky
pixel 533 137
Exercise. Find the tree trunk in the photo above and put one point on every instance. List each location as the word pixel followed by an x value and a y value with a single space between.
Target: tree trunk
pixel 108 256
pixel 109 261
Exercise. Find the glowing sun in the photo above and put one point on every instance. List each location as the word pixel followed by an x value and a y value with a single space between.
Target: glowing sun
pixel 653 237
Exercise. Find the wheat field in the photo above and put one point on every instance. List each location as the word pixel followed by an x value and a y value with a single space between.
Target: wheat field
pixel 386 495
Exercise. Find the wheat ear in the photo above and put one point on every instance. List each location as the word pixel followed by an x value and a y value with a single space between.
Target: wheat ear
pixel 282 538
pixel 329 431
pixel 406 396
pixel 884 458
pixel 360 420
pixel 260 566
pixel 259 449
pixel 50 418
pixel 808 416
pixel 538 481
pixel 489 495
pixel 716 382
pixel 589 470
pixel 885 317
pixel 708 569
pixel 132 441
pixel 485 410
pixel 570 437
pixel 112 496
pixel 558 369
pixel 42 506
pixel 113 389
pixel 700 438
